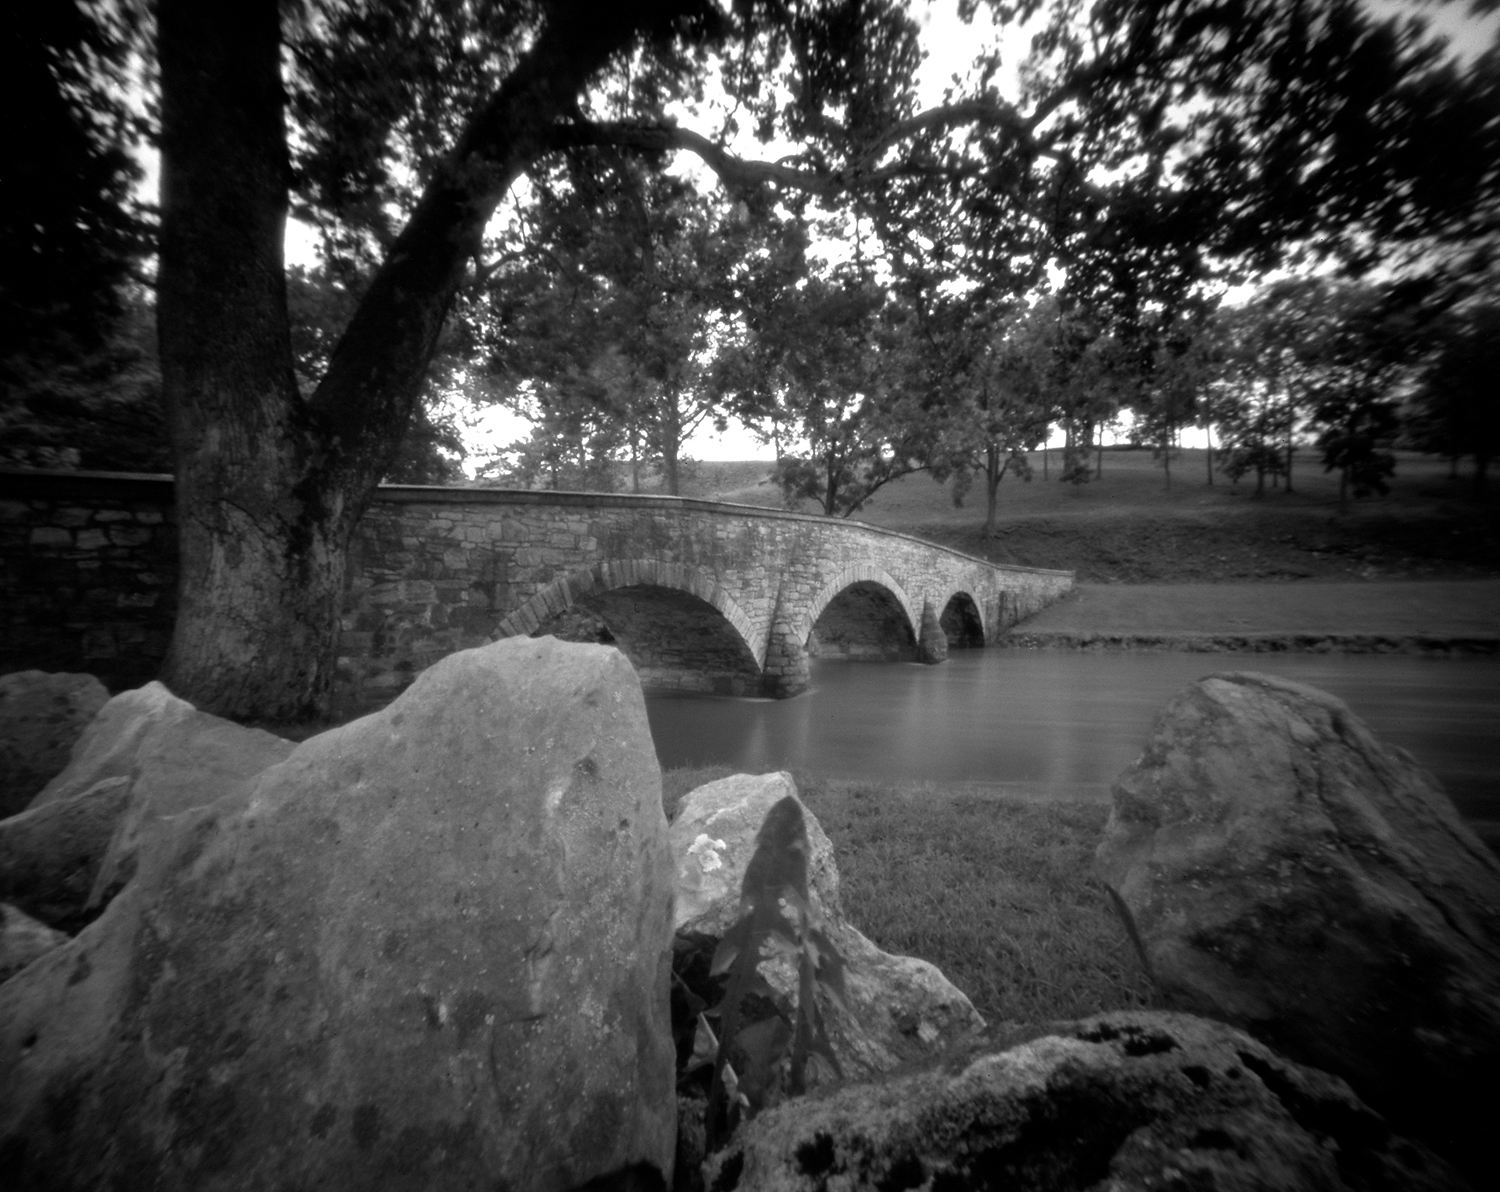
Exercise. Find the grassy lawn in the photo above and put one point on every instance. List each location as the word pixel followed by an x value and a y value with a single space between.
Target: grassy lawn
pixel 1128 527
pixel 998 893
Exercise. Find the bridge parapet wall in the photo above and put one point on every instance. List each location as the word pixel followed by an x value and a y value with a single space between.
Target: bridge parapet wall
pixel 89 579
pixel 436 570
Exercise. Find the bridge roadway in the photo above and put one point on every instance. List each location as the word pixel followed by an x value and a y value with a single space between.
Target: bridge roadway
pixel 700 595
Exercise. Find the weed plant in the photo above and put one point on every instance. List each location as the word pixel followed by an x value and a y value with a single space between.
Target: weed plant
pixel 997 892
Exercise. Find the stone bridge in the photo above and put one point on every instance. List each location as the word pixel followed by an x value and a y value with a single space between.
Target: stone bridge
pixel 699 595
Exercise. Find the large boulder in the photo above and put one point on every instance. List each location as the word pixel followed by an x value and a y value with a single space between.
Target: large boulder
pixel 50 855
pixel 41 716
pixel 1127 1101
pixel 896 1009
pixel 1283 870
pixel 108 746
pixel 22 940
pixel 430 948
pixel 146 755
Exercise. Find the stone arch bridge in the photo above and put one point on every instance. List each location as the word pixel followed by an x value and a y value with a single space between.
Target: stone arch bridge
pixel 700 595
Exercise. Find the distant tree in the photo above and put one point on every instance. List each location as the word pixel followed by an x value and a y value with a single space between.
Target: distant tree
pixel 625 273
pixel 995 408
pixel 1175 390
pixel 829 359
pixel 573 446
pixel 1362 353
pixel 1458 403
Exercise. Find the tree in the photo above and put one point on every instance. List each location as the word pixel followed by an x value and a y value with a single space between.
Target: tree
pixel 829 360
pixel 1458 405
pixel 319 306
pixel 997 409
pixel 1182 368
pixel 78 384
pixel 628 275
pixel 1237 130
pixel 1361 355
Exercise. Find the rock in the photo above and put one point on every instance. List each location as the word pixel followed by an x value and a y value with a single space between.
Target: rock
pixel 713 839
pixel 896 1008
pixel 1285 871
pixel 108 746
pixel 429 949
pixel 50 855
pixel 1121 1101
pixel 22 940
pixel 147 755
pixel 180 762
pixel 41 716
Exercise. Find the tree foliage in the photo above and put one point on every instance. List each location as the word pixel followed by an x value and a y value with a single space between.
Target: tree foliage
pixel 78 383
pixel 1458 402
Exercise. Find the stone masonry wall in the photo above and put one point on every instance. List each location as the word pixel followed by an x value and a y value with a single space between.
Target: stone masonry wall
pixel 439 569
pixel 88 572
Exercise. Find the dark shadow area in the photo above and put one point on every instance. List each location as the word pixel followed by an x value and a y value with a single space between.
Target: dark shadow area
pixel 675 640
pixel 864 622
pixel 961 623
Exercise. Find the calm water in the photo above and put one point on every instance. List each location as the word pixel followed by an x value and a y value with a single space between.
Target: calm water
pixel 1068 721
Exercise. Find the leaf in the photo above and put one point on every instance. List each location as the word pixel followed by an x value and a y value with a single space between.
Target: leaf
pixel 763 1045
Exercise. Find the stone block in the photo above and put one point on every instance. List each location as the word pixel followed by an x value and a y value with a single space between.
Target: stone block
pixel 51 536
pixel 129 535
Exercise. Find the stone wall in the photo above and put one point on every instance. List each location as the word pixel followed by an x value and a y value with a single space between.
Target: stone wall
pixel 439 569
pixel 88 573
pixel 698 594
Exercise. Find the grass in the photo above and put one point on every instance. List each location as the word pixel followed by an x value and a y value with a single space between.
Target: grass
pixel 1128 527
pixel 998 893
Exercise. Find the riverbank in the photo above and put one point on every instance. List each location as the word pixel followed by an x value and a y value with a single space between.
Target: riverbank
pixel 1407 617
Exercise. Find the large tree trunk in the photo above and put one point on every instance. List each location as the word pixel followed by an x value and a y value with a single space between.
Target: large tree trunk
pixel 261 542
pixel 269 487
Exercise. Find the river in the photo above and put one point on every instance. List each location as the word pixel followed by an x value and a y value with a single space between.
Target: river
pixel 1065 722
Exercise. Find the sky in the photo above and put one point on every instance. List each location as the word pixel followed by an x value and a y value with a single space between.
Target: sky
pixel 950 46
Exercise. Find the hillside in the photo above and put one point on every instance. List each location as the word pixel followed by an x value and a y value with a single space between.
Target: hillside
pixel 1127 527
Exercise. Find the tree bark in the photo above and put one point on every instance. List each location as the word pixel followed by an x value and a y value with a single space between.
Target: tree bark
pixel 269 487
pixel 261 537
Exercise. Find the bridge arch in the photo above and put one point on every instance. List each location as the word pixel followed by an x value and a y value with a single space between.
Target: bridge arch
pixel 854 576
pixel 671 642
pixel 962 620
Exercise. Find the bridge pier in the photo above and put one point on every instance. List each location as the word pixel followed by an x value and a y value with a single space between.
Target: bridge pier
pixel 932 642
pixel 787 670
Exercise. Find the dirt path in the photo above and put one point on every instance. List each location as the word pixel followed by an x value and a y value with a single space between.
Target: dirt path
pixel 1396 615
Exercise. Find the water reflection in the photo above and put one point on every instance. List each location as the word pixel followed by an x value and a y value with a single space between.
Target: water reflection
pixel 1068 721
